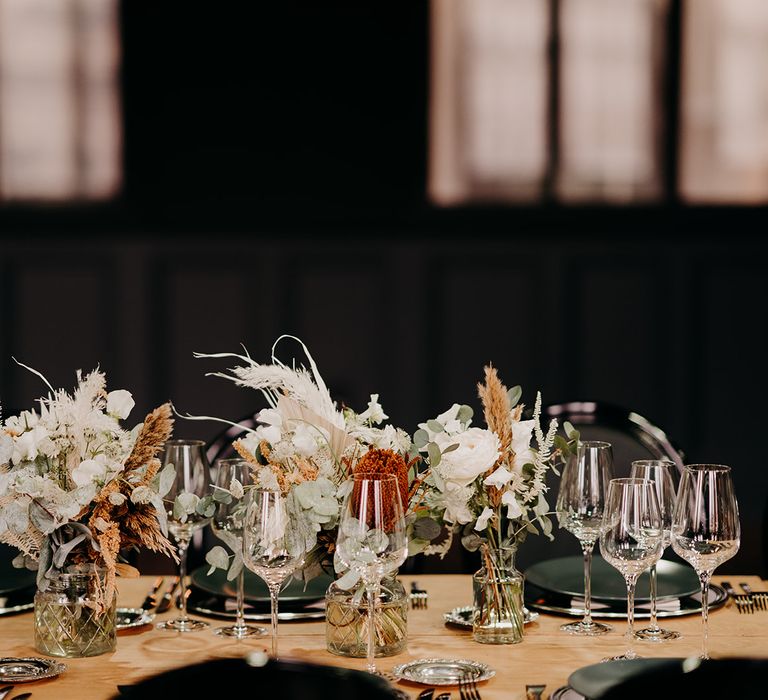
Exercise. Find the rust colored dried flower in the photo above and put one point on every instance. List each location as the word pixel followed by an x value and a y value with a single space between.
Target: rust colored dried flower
pixel 380 462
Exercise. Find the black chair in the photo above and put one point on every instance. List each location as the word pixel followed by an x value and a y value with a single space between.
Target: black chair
pixel 633 436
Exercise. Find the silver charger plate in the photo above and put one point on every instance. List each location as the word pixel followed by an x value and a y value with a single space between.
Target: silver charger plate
pixel 287 616
pixel 442 671
pixel 462 617
pixel 28 668
pixel 126 618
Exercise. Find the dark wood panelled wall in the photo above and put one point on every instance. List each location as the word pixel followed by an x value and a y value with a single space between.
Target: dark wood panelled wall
pixel 672 330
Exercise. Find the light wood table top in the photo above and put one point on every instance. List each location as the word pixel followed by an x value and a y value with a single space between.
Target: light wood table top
pixel 546 655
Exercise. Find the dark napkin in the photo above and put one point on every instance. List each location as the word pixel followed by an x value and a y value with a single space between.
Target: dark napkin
pixel 279 679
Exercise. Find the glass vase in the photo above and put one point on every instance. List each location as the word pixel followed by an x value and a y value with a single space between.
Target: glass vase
pixel 498 597
pixel 69 621
pixel 346 620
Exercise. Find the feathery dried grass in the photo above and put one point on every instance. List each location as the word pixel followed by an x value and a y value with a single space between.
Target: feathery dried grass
pixel 498 418
pixel 153 435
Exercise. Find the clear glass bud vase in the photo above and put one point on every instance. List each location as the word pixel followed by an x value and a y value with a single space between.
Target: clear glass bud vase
pixel 70 622
pixel 346 620
pixel 498 597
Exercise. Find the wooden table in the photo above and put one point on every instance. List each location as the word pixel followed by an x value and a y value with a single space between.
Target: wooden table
pixel 546 655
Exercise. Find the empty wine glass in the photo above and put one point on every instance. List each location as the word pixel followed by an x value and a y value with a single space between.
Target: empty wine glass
pixel 580 506
pixel 192 483
pixel 659 472
pixel 705 527
pixel 231 478
pixel 372 540
pixel 272 548
pixel 631 538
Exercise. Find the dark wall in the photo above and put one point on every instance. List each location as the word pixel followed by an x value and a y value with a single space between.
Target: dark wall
pixel 275 165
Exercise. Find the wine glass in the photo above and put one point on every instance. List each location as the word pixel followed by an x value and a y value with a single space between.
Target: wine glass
pixel 631 538
pixel 659 472
pixel 231 476
pixel 580 506
pixel 192 482
pixel 272 548
pixel 705 527
pixel 372 539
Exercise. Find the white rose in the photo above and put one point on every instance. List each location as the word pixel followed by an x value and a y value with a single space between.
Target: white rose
pixel 477 452
pixel 120 403
pixel 521 441
pixel 89 470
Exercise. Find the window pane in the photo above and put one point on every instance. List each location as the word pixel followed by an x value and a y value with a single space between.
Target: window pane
pixel 489 99
pixel 610 99
pixel 59 122
pixel 724 110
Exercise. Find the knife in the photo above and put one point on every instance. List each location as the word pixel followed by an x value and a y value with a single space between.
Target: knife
pixel 151 600
pixel 167 599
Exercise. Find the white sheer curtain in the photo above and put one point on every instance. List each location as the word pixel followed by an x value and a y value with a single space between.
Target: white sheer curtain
pixel 60 134
pixel 724 109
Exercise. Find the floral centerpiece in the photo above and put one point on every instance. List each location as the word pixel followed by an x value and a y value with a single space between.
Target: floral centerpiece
pixel 76 490
pixel 307 447
pixel 488 485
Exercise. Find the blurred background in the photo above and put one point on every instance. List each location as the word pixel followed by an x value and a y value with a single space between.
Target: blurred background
pixel 574 190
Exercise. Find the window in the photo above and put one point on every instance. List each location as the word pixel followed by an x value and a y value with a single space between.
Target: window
pixel 568 100
pixel 59 100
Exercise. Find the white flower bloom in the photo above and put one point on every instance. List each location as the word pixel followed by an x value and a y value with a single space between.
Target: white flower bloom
pixel 24 421
pixel 26 446
pixel 455 499
pixel 485 516
pixel 374 412
pixel 305 439
pixel 269 416
pixel 120 403
pixel 477 452
pixel 236 488
pixel 450 415
pixel 6 447
pixel 270 433
pixel 499 478
pixel 521 441
pixel 143 494
pixel 116 498
pixel 90 470
pixel 513 507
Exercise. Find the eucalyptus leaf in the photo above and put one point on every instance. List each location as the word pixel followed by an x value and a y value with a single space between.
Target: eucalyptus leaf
pixel 426 529
pixel 420 438
pixel 472 542
pixel 218 558
pixel 514 395
pixel 165 479
pixel 435 426
pixel 451 448
pixel 221 495
pixel 434 454
pixel 465 414
pixel 568 428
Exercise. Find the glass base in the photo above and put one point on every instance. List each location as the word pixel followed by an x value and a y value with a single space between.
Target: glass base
pixel 586 629
pixel 183 625
pixel 657 634
pixel 241 632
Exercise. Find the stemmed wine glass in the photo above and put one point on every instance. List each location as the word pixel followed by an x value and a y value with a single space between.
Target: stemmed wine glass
pixel 231 477
pixel 580 506
pixel 272 548
pixel 191 484
pixel 631 538
pixel 705 527
pixel 659 472
pixel 372 539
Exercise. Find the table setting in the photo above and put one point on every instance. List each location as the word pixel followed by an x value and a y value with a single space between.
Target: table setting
pixel 313 521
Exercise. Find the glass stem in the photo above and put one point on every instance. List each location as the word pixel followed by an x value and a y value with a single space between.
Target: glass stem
pixel 631 581
pixel 704 577
pixel 240 619
pixel 183 546
pixel 274 591
pixel 654 621
pixel 587 548
pixel 372 593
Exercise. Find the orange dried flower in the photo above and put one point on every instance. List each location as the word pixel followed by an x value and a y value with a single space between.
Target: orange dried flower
pixel 384 462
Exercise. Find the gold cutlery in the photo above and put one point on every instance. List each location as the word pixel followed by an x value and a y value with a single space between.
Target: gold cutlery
pixel 167 599
pixel 151 600
pixel 759 598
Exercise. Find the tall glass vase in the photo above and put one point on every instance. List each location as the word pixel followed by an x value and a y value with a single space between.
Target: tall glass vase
pixel 69 619
pixel 498 597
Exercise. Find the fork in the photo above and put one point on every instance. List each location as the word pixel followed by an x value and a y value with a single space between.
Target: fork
pixel 743 602
pixel 468 689
pixel 419 597
pixel 760 598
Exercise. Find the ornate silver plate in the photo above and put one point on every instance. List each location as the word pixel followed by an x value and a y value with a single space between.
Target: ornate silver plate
pixel 28 668
pixel 442 671
pixel 126 618
pixel 462 617
pixel 287 616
